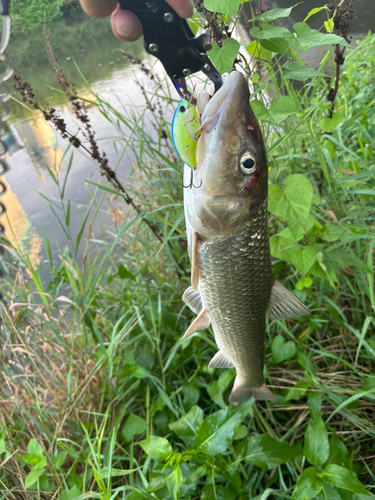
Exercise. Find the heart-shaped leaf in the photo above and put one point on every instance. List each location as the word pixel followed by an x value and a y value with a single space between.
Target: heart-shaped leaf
pixel 223 57
pixel 282 350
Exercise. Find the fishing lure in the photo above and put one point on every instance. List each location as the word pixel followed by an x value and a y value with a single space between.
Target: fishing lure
pixel 186 132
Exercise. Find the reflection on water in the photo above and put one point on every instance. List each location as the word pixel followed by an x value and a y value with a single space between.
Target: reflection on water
pixel 40 150
pixel 18 229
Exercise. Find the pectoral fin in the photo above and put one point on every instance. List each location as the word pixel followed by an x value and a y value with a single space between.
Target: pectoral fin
pixel 284 304
pixel 201 322
pixel 193 300
pixel 194 262
pixel 220 360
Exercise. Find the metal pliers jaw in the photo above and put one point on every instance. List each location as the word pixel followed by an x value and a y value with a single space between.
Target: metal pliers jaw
pixel 169 38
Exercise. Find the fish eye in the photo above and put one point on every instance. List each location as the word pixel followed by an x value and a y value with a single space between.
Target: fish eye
pixel 248 164
pixel 182 109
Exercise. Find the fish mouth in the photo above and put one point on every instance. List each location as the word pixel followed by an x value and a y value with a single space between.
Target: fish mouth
pixel 212 108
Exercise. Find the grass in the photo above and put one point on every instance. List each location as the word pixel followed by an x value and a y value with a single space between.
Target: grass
pixel 92 363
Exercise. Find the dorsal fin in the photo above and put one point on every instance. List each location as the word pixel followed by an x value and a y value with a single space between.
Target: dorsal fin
pixel 284 304
pixel 193 300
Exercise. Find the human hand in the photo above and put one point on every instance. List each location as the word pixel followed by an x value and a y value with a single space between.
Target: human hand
pixel 126 25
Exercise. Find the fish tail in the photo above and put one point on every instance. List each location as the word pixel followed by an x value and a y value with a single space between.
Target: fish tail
pixel 242 393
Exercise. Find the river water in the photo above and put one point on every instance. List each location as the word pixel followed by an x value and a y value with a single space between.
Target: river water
pixel 36 148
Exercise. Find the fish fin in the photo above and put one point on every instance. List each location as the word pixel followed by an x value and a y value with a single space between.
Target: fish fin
pixel 194 262
pixel 201 322
pixel 241 393
pixel 193 300
pixel 220 360
pixel 284 304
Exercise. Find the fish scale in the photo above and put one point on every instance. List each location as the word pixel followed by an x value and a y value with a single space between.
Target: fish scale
pixel 235 286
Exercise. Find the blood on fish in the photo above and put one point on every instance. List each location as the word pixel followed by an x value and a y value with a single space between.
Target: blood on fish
pixel 253 181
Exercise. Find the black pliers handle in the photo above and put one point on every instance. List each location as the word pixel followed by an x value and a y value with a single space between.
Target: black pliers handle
pixel 169 38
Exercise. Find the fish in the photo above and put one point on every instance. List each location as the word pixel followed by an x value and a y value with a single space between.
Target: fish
pixel 232 285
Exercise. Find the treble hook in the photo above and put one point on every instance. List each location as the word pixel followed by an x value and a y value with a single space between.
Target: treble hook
pixel 191 185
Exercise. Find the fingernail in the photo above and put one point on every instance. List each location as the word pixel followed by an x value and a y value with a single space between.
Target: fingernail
pixel 123 31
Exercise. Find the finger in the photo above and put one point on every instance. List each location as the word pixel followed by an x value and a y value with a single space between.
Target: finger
pixel 184 8
pixel 126 25
pixel 98 8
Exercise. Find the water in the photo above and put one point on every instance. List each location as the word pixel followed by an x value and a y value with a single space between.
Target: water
pixel 90 46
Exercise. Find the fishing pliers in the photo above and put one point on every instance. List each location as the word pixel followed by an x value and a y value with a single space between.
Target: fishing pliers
pixel 169 38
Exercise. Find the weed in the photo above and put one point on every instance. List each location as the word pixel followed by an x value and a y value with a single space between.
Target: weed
pixel 99 396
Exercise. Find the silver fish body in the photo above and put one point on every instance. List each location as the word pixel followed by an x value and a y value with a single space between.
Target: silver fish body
pixel 226 218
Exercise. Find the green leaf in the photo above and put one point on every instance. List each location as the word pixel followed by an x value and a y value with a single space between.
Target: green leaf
pixel 257 51
pixel 268 32
pixel 315 404
pixel 343 478
pixel 217 431
pixel 196 475
pixel 261 112
pixel 213 492
pixel 334 232
pixel 272 15
pixel 304 258
pixel 294 202
pixel 282 350
pixel 186 426
pixel 134 425
pixel 330 124
pixel 156 447
pixel 59 459
pixel 329 492
pixel 277 45
pixel 33 476
pixel 315 11
pixel 282 107
pixel 174 480
pixel 228 7
pixel 322 269
pixel 241 432
pixel 281 248
pixel 124 273
pixel 191 394
pixel 71 494
pixel 305 38
pixel 216 388
pixel 267 452
pixel 308 485
pixel 298 72
pixel 338 452
pixel 305 282
pixel 223 58
pixel 298 391
pixel 316 448
pixel 34 448
pixel 292 232
pixel 329 25
pixel 3 448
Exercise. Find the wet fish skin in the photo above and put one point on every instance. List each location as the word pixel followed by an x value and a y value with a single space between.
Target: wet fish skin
pixel 226 219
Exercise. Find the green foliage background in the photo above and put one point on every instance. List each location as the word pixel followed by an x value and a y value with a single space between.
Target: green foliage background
pixel 102 399
pixel 28 14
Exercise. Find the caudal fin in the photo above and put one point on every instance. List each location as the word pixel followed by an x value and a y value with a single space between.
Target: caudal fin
pixel 241 393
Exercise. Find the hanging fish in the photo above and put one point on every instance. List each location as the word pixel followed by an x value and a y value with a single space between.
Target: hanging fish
pixel 233 287
pixel 186 132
